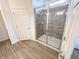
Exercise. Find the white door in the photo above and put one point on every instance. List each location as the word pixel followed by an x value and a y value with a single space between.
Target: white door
pixel 70 31
pixel 7 18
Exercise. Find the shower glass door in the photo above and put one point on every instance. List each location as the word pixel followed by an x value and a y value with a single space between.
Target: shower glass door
pixel 41 23
pixel 50 23
pixel 56 22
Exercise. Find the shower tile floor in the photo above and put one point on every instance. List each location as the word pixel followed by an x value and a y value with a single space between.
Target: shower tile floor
pixel 51 41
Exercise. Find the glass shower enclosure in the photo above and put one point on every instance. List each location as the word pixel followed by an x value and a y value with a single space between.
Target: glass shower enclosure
pixel 50 23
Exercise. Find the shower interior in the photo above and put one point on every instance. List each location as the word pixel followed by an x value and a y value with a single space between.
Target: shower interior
pixel 50 24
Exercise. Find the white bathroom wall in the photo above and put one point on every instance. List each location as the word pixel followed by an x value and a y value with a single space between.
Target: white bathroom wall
pixel 3 30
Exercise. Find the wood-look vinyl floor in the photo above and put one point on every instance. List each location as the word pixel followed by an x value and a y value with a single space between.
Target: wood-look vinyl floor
pixel 26 50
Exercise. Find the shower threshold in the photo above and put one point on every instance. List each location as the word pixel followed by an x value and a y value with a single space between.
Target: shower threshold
pixel 51 41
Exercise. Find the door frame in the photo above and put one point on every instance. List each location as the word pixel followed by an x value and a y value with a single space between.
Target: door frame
pixel 69 24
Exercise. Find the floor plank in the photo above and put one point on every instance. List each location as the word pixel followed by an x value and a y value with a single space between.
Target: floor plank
pixel 26 50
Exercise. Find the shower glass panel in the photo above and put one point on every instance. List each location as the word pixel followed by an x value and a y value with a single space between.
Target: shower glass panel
pixel 50 23
pixel 56 22
pixel 41 21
